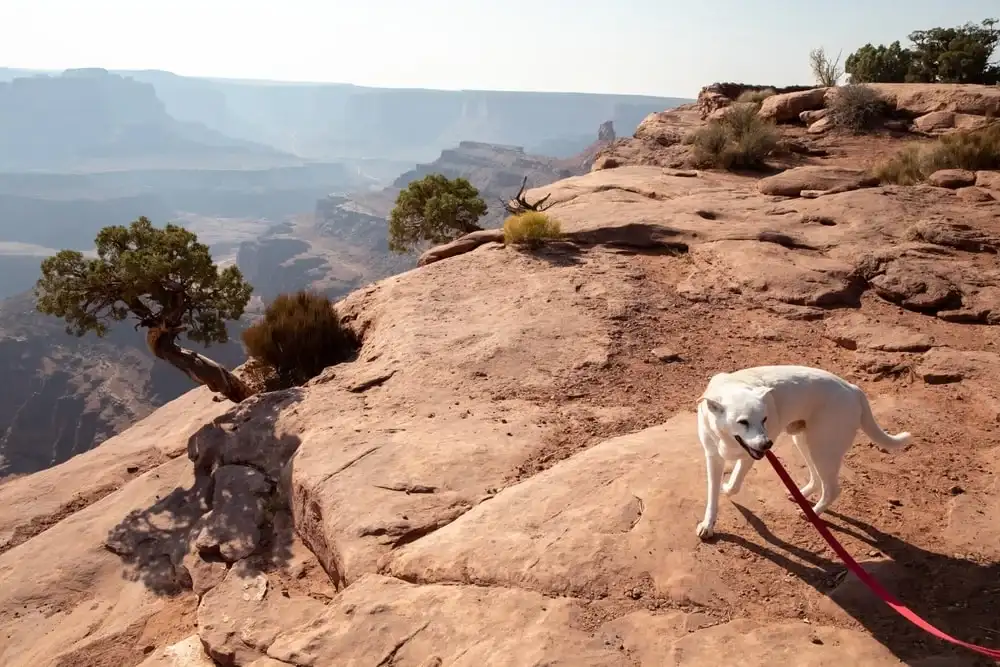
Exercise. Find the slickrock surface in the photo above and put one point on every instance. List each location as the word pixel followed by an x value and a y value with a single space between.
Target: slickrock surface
pixel 509 474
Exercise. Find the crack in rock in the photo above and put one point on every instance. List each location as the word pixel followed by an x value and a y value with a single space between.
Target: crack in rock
pixel 390 658
pixel 407 488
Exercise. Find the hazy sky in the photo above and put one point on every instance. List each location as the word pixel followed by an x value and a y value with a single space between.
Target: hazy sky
pixel 659 47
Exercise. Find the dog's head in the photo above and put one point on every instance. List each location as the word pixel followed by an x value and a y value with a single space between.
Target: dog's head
pixel 740 412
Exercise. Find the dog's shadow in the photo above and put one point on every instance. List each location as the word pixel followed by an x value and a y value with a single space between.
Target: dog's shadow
pixel 958 596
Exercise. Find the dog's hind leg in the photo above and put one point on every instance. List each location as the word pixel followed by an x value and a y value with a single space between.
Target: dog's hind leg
pixel 736 477
pixel 827 444
pixel 803 446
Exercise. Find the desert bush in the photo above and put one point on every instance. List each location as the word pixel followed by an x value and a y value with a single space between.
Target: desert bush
pixel 974 150
pixel 755 96
pixel 530 228
pixel 298 336
pixel 739 140
pixel 857 108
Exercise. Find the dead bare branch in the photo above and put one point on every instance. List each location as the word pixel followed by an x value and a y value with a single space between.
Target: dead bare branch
pixel 519 204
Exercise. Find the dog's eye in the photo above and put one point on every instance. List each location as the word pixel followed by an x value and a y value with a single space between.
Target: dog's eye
pixel 743 422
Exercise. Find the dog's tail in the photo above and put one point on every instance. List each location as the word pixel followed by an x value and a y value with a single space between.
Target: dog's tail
pixel 874 431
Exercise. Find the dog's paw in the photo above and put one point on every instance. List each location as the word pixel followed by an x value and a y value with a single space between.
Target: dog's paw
pixel 805 494
pixel 705 531
pixel 730 490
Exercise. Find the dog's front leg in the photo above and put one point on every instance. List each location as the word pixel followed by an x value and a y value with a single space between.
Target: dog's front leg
pixel 736 477
pixel 715 466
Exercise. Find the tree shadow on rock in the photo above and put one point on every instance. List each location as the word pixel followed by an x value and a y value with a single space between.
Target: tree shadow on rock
pixel 956 595
pixel 235 510
pixel 556 253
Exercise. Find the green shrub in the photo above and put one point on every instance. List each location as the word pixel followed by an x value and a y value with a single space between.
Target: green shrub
pixel 739 140
pixel 755 96
pixel 298 336
pixel 857 108
pixel 974 150
pixel 530 228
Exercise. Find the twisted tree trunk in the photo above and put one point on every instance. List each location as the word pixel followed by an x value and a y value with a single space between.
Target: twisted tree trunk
pixel 162 342
pixel 460 246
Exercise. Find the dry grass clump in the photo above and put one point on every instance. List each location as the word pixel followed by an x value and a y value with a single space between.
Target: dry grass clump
pixel 531 228
pixel 973 150
pixel 740 139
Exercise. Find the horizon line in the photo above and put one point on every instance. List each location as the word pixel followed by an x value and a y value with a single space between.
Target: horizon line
pixel 300 82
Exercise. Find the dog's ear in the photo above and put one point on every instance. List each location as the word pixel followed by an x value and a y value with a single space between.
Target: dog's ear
pixel 761 392
pixel 713 405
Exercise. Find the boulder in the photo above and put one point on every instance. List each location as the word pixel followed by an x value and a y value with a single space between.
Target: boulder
pixel 188 652
pixel 952 178
pixel 720 113
pixel 232 527
pixel 937 122
pixel 989 180
pixel 820 126
pixel 786 107
pixel 855 331
pixel 918 99
pixel 975 195
pixel 792 182
pixel 942 365
pixel 240 618
pixel 710 101
pixel 813 115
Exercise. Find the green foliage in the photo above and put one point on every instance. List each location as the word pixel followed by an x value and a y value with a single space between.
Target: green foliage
pixel 435 209
pixel 975 150
pixel 530 228
pixel 956 55
pixel 751 96
pixel 298 336
pixel 739 140
pixel 162 277
pixel 857 108
pixel 826 72
pixel 879 64
pixel 940 55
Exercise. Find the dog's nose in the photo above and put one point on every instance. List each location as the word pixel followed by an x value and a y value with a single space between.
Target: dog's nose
pixel 768 444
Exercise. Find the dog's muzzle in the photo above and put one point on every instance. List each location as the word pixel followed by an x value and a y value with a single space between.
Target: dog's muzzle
pixel 755 454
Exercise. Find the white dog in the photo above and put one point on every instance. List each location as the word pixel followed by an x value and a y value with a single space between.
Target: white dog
pixel 742 413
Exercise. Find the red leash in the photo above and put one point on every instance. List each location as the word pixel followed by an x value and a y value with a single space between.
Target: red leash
pixel 860 572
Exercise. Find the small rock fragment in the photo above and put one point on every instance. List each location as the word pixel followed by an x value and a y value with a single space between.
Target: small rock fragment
pixel 666 355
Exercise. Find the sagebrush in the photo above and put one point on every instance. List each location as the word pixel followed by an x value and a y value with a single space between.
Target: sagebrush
pixel 530 228
pixel 973 150
pixel 298 336
pixel 740 139
pixel 857 108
